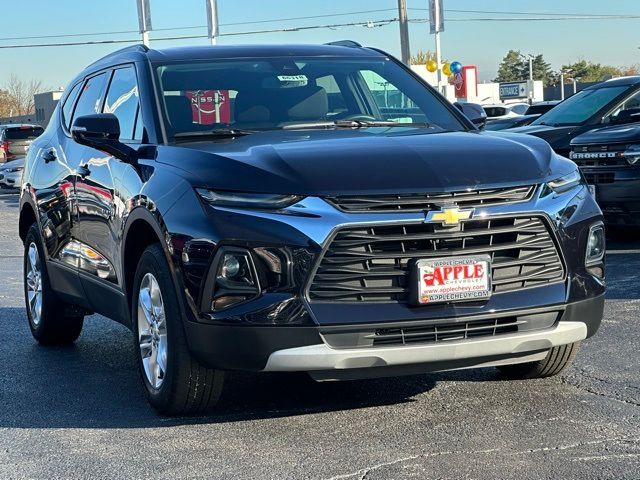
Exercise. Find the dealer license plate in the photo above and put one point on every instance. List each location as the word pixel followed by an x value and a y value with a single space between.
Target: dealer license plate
pixel 453 279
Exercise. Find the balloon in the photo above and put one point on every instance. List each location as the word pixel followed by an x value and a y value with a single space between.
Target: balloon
pixel 456 67
pixel 446 69
pixel 432 66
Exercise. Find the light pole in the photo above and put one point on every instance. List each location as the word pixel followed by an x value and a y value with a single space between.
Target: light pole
pixel 144 20
pixel 212 21
pixel 404 32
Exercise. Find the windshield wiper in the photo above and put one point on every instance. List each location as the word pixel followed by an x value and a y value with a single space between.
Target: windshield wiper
pixel 358 124
pixel 216 133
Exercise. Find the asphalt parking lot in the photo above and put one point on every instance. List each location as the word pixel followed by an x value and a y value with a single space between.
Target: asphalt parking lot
pixel 79 411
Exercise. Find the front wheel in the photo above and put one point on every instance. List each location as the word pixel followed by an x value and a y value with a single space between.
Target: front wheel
pixel 175 383
pixel 558 359
pixel 52 321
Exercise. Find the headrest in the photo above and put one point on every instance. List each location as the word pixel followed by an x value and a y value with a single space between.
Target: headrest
pixel 304 103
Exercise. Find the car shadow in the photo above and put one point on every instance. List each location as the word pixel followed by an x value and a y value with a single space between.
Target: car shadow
pixel 95 384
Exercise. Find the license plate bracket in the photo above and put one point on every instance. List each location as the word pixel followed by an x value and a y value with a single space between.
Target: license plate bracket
pixel 451 279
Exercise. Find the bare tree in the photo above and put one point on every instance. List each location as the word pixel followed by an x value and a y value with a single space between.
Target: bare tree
pixel 18 96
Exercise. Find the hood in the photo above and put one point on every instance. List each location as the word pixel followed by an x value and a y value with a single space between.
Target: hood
pixel 558 137
pixel 334 162
pixel 618 134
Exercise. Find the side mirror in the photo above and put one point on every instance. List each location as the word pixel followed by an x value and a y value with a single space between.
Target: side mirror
pixel 473 112
pixel 630 115
pixel 102 132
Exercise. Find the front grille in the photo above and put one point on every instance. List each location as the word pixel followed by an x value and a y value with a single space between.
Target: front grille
pixel 600 156
pixel 446 331
pixel 597 178
pixel 370 264
pixel 430 201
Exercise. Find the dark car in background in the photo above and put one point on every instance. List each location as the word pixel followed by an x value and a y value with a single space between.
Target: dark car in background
pixel 474 112
pixel 607 103
pixel 214 201
pixel 540 108
pixel 609 158
pixel 15 140
pixel 510 122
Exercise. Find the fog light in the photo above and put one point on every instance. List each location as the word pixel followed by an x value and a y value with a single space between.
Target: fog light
pixel 595 244
pixel 230 266
pixel 235 280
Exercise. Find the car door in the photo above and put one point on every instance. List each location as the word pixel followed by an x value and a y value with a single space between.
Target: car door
pixel 100 207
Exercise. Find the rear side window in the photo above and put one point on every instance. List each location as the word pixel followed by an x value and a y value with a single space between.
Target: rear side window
pixel 67 108
pixel 91 96
pixel 122 100
pixel 23 133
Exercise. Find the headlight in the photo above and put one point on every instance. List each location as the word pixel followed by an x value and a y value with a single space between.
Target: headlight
pixel 632 154
pixel 596 244
pixel 566 182
pixel 14 170
pixel 248 200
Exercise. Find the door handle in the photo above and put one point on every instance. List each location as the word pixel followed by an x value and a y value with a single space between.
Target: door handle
pixel 49 155
pixel 83 171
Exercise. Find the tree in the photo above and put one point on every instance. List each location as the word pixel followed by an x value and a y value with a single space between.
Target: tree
pixel 510 69
pixel 422 57
pixel 6 104
pixel 17 96
pixel 515 67
pixel 587 71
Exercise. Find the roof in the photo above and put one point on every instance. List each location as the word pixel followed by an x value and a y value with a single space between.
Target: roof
pixel 617 82
pixel 204 52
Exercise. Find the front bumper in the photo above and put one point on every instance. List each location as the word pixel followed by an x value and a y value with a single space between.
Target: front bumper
pixel 299 348
pixel 259 334
pixel 617 193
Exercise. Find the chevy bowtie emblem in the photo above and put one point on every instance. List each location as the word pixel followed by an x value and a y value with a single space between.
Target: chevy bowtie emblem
pixel 449 216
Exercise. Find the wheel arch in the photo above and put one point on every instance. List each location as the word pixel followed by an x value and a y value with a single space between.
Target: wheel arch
pixel 27 218
pixel 145 228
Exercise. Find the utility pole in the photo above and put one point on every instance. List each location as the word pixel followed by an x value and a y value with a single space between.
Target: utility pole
pixel 212 21
pixel 436 25
pixel 144 20
pixel 561 86
pixel 404 32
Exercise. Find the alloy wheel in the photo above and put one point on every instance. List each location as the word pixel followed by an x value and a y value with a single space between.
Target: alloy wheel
pixel 152 331
pixel 34 283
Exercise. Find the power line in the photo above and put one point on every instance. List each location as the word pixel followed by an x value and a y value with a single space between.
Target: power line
pixel 368 23
pixel 191 27
pixel 360 12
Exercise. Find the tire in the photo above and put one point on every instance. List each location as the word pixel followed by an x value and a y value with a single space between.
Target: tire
pixel 174 381
pixel 52 321
pixel 557 359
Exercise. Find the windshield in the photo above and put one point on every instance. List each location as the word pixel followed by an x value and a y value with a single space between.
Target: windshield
pixel 581 107
pixel 277 93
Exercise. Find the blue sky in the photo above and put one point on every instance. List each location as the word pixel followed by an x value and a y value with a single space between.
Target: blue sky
pixel 480 43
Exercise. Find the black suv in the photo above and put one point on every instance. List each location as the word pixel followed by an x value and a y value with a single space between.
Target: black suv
pixel 301 208
pixel 604 104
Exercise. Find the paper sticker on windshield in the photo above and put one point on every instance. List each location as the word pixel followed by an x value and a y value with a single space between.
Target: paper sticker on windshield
pixel 299 80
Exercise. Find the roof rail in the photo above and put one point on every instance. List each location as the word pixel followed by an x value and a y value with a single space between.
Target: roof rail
pixel 345 43
pixel 138 47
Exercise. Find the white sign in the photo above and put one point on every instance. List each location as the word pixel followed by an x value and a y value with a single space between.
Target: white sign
pixel 513 90
pixel 436 16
